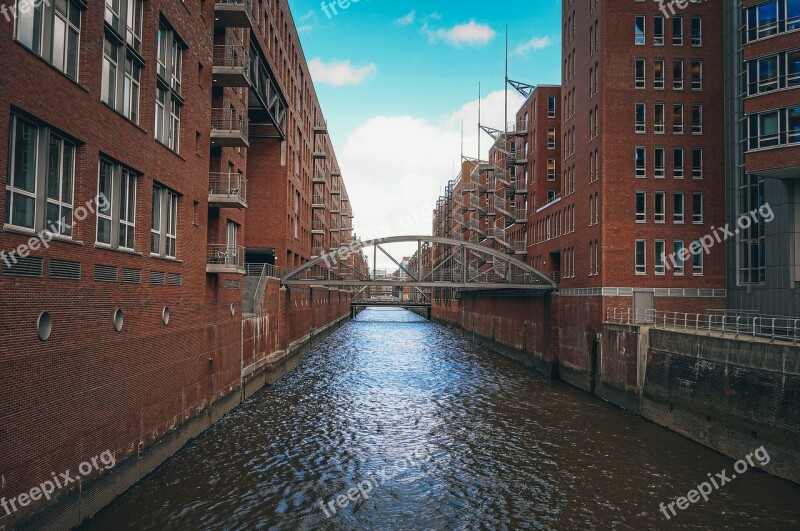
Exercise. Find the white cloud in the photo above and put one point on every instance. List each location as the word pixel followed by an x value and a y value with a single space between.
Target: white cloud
pixel 408 19
pixel 339 73
pixel 536 43
pixel 395 167
pixel 468 34
pixel 306 22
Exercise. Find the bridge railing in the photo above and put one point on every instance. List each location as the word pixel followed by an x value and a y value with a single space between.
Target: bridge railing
pixel 733 323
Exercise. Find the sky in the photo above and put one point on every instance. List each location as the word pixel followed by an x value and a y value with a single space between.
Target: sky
pixel 399 79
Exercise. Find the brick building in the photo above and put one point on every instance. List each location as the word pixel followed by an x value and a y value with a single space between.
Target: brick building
pixel 624 168
pixel 157 153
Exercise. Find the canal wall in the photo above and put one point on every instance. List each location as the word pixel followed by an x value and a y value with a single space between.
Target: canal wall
pixel 166 400
pixel 518 327
pixel 730 394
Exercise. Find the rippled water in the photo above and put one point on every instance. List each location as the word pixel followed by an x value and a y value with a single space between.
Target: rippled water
pixel 441 434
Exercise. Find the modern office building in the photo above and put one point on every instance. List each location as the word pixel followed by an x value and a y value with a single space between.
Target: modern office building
pixel 762 163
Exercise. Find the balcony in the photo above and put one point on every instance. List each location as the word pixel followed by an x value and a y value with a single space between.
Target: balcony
pixel 336 207
pixel 227 190
pixel 320 150
pixel 320 177
pixel 229 128
pixel 517 127
pixel 320 127
pixel 317 251
pixel 318 202
pixel 233 13
pixel 520 247
pixel 231 66
pixel 224 258
pixel 520 215
pixel 318 227
pixel 336 188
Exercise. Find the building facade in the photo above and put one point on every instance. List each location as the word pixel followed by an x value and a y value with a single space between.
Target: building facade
pixel 762 110
pixel 158 154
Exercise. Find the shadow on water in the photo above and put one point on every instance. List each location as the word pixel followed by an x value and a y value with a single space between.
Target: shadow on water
pixel 445 434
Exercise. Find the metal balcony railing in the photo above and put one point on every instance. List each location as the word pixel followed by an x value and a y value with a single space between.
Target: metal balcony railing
pixel 319 202
pixel 225 188
pixel 318 226
pixel 520 215
pixel 225 258
pixel 230 127
pixel 231 65
pixel 320 177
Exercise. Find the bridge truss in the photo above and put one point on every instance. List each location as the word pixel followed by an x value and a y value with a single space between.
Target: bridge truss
pixel 437 263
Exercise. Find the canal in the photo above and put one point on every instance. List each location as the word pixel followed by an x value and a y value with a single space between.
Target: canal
pixel 424 429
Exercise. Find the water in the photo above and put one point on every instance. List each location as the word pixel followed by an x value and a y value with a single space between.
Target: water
pixel 440 433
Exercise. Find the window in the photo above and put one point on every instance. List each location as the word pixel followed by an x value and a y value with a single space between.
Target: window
pixel 660 207
pixel 762 21
pixel 677 208
pixel 641 207
pixel 677 74
pixel 677 118
pixel 640 67
pixel 697 208
pixel 116 216
pixel 231 243
pixel 762 74
pixel 752 240
pixel 641 161
pixel 677 163
pixel 697 163
pixel 697 75
pixel 658 30
pixel 658 73
pixel 678 251
pixel 660 250
pixel 697 254
pixel 639 30
pixel 164 226
pixel 122 64
pixel 551 138
pixel 764 129
pixel 641 118
pixel 677 31
pixel 697 31
pixel 551 107
pixel 551 169
pixel 641 257
pixel 658 118
pixel 168 90
pixel 697 119
pixel 51 30
pixel 658 163
pixel 40 185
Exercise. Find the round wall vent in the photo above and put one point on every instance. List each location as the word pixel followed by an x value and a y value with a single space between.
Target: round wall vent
pixel 165 315
pixel 233 309
pixel 44 326
pixel 119 319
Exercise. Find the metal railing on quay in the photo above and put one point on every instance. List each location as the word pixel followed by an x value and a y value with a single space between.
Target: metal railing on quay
pixel 732 322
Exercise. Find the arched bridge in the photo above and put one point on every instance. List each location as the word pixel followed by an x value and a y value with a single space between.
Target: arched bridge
pixel 436 263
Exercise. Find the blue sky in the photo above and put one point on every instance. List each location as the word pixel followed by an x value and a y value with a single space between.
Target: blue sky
pixel 396 79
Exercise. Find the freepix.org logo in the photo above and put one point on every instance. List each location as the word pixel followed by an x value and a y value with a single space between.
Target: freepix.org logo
pixel 22 6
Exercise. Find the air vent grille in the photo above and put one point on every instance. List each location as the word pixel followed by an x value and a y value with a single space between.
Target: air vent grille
pixel 65 270
pixel 105 273
pixel 131 276
pixel 17 266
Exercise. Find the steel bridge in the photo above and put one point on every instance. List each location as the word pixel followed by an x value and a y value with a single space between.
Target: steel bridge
pixel 437 263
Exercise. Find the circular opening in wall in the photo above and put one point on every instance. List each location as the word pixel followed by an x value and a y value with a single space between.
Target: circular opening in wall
pixel 233 309
pixel 119 320
pixel 44 326
pixel 165 315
